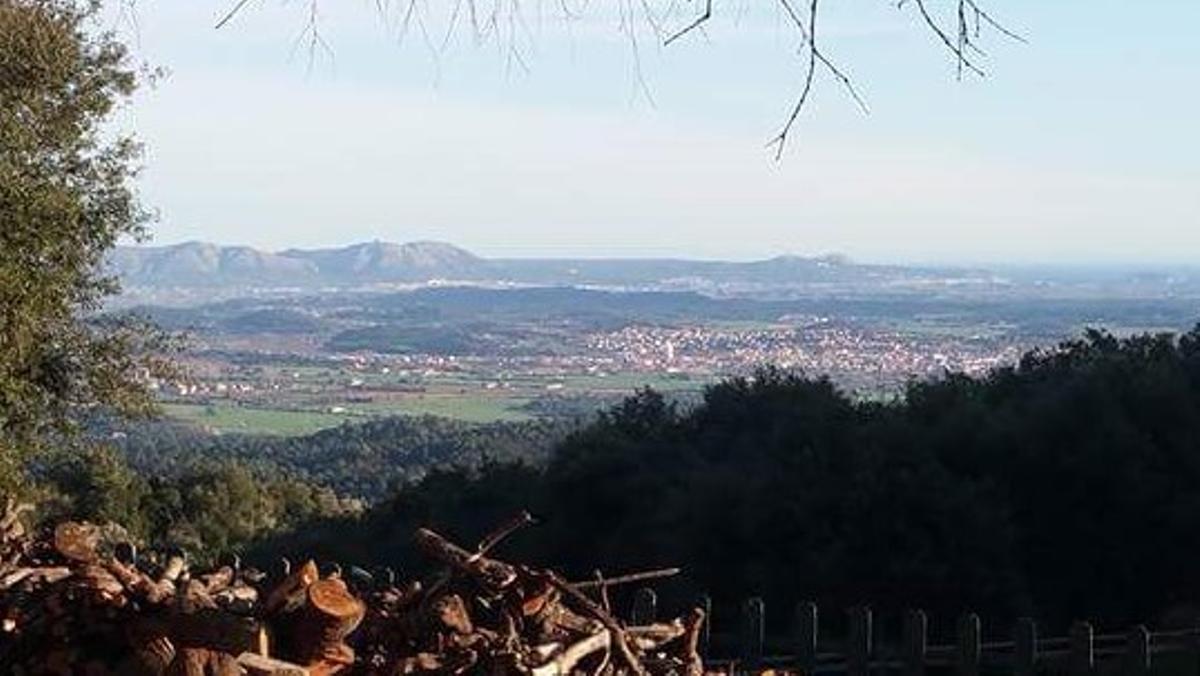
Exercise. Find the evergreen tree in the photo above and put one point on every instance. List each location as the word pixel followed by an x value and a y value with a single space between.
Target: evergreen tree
pixel 65 200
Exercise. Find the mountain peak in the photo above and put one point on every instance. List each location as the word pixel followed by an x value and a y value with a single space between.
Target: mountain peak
pixel 411 261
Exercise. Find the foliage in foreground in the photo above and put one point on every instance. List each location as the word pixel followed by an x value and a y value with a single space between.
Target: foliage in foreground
pixel 367 460
pixel 207 509
pixel 65 200
pixel 1066 486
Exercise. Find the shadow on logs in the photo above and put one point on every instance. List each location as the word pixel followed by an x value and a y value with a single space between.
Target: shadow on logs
pixel 73 601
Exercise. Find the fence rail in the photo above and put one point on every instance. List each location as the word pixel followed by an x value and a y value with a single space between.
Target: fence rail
pixel 1077 654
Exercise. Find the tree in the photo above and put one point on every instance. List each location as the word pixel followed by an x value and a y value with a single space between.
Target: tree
pixel 1064 486
pixel 65 201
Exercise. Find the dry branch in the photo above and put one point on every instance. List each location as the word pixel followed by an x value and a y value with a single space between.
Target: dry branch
pixel 505 22
pixel 482 616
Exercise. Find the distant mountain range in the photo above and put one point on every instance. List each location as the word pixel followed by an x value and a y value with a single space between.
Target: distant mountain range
pixel 198 272
pixel 199 265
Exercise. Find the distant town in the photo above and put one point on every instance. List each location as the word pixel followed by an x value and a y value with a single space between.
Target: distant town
pixel 376 330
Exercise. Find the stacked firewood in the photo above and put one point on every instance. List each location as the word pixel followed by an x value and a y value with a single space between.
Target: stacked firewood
pixel 78 599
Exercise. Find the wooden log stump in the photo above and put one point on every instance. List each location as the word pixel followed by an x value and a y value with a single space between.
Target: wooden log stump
pixel 321 626
pixel 76 541
pixel 289 593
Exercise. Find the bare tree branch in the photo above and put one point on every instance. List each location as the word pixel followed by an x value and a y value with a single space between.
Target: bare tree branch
pixel 503 21
pixel 810 31
pixel 704 16
pixel 232 13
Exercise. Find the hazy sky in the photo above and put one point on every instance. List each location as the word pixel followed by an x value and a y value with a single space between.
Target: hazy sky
pixel 1082 145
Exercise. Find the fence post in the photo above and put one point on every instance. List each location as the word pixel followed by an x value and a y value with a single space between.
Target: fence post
pixel 916 638
pixel 806 637
pixel 1137 653
pixel 753 621
pixel 1083 656
pixel 705 604
pixel 969 642
pixel 1026 652
pixel 858 659
pixel 645 607
pixel 1195 642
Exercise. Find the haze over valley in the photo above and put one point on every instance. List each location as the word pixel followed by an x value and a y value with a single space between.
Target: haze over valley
pixel 298 340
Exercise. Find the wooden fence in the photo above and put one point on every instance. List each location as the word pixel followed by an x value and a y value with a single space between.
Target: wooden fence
pixel 1024 653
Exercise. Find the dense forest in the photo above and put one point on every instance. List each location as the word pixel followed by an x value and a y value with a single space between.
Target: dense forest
pixel 367 461
pixel 1065 486
pixel 208 509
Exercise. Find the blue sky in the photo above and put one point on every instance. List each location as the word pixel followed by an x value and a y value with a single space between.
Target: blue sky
pixel 1080 146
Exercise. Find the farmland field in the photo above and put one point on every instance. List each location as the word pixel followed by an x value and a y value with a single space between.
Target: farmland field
pixel 227 418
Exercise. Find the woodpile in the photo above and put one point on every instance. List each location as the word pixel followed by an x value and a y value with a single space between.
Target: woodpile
pixel 77 599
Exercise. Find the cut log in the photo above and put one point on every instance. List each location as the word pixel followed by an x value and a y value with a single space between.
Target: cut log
pixel 203 662
pixel 153 591
pixel 76 541
pixel 260 665
pixel 451 612
pixel 11 527
pixel 651 637
pixel 332 599
pixel 154 655
pixel 237 599
pixel 216 581
pixel 216 629
pixel 99 583
pixel 490 572
pixel 535 596
pixel 320 627
pixel 689 652
pixel 70 605
pixel 45 575
pixel 176 566
pixel 293 585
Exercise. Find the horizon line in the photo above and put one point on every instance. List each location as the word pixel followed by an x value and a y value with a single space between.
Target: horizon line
pixel 937 260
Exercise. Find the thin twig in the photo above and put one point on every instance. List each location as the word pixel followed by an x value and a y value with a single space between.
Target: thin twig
pixel 704 16
pixel 780 139
pixel 231 13
pixel 626 579
pixel 603 586
pixel 507 528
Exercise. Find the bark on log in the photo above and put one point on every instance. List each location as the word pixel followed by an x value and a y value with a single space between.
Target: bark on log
pixel 451 612
pixel 76 541
pixel 71 605
pixel 492 573
pixel 260 665
pixel 44 575
pixel 690 650
pixel 321 626
pixel 289 590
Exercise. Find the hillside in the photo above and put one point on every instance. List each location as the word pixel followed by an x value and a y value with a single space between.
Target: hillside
pixel 202 265
pixel 199 264
pixel 388 262
pixel 196 273
pixel 364 461
pixel 1060 488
